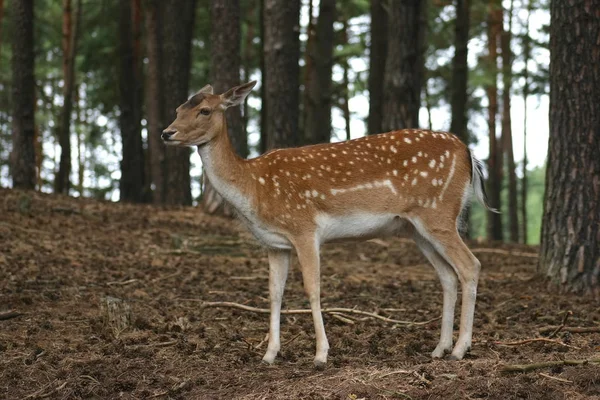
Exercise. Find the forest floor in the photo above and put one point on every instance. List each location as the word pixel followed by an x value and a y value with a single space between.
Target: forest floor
pixel 111 302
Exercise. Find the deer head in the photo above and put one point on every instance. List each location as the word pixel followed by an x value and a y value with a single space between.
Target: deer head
pixel 200 119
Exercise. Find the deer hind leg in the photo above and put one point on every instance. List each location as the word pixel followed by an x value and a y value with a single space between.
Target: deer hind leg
pixel 308 255
pixel 279 262
pixel 449 282
pixel 450 246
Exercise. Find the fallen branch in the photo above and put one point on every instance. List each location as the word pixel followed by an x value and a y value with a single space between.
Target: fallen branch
pixel 545 340
pixel 504 252
pixel 9 315
pixel 562 325
pixel 571 329
pixel 306 311
pixel 534 366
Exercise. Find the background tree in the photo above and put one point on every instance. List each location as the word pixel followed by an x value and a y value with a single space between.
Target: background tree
pixel 70 37
pixel 495 155
pixel 404 65
pixel 460 70
pixel 570 246
pixel 377 60
pixel 318 87
pixel 282 72
pixel 177 27
pixel 132 184
pixel 225 67
pixel 507 141
pixel 23 156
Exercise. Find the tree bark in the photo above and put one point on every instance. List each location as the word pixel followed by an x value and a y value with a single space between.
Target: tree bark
pixel 513 206
pixel 178 24
pixel 132 164
pixel 23 153
pixel 378 53
pixel 281 52
pixel 262 147
pixel 318 107
pixel 495 157
pixel 404 65
pixel 570 240
pixel 154 101
pixel 62 180
pixel 225 73
pixel 460 71
pixel 526 57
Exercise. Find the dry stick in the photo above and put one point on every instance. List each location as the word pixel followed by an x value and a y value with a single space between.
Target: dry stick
pixel 562 325
pixel 504 252
pixel 572 329
pixel 555 378
pixel 9 314
pixel 299 311
pixel 41 395
pixel 546 340
pixel 531 367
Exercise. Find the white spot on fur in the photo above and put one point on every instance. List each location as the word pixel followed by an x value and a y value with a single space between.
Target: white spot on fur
pixel 407 140
pixel 432 164
pixel 261 180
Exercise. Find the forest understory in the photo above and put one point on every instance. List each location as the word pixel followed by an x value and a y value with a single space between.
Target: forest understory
pixel 110 301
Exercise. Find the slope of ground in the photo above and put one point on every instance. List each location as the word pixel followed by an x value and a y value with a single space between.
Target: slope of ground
pixel 111 297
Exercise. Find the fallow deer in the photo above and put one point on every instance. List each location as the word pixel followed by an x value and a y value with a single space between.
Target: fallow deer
pixel 411 182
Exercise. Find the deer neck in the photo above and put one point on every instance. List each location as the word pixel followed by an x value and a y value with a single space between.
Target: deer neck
pixel 227 172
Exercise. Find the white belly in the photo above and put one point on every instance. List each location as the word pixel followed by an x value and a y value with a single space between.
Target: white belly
pixel 359 226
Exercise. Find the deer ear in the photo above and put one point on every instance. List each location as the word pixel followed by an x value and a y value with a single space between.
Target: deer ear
pixel 236 95
pixel 208 89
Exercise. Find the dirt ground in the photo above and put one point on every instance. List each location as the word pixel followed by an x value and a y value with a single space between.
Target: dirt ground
pixel 111 297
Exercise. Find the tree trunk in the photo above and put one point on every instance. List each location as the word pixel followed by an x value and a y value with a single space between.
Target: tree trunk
pixel 346 83
pixel 570 240
pixel 318 107
pixel 154 101
pixel 263 76
pixel 404 65
pixel 225 73
pixel 282 50
pixel 513 206
pixel 132 164
pixel 309 50
pixel 526 57
pixel 378 52
pixel 495 157
pixel 178 24
pixel 460 71
pixel 1 19
pixel 23 153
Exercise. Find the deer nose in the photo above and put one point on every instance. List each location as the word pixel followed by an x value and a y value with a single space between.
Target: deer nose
pixel 167 133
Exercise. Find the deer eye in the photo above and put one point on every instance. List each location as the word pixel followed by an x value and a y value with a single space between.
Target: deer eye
pixel 205 111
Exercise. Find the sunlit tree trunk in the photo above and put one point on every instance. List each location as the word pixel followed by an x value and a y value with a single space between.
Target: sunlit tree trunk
pixel 404 64
pixel 378 52
pixel 318 106
pixel 570 240
pixel 526 57
pixel 70 36
pixel 495 157
pixel 23 99
pixel 282 50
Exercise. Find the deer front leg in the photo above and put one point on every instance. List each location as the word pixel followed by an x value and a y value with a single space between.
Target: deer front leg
pixel 279 262
pixel 308 255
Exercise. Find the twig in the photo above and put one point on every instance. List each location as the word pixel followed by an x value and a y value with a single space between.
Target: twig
pixel 546 340
pixel 9 315
pixel 562 325
pixel 555 378
pixel 121 283
pixel 343 319
pixel 41 395
pixel 306 311
pixel 504 252
pixel 531 367
pixel 572 329
pixel 292 339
